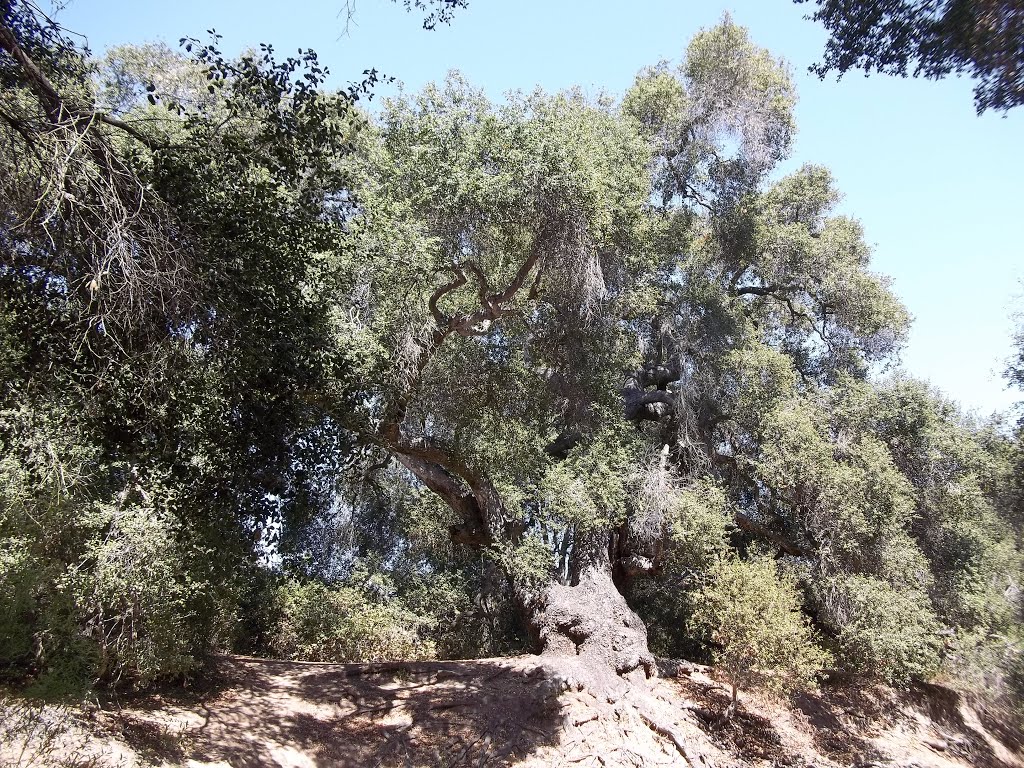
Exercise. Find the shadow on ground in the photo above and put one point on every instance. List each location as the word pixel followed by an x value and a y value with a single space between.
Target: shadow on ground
pixel 484 712
pixel 853 723
pixel 842 719
pixel 501 712
pixel 746 734
pixel 964 736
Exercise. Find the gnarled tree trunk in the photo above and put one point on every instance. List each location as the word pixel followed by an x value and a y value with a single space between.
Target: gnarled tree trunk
pixel 589 618
pixel 583 616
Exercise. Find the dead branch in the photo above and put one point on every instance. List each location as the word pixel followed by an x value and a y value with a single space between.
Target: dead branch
pixel 114 241
pixel 668 733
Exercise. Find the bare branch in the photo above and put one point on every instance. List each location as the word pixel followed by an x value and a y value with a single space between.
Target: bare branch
pixel 130 252
pixel 52 103
pixel 745 523
pixel 58 109
pixel 115 122
pixel 779 294
pixel 442 321
pixel 483 287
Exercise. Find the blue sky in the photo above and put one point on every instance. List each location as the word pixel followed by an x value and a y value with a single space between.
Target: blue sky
pixel 936 187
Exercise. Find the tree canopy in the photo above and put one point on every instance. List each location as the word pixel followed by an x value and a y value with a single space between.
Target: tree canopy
pixel 934 39
pixel 158 333
pixel 460 378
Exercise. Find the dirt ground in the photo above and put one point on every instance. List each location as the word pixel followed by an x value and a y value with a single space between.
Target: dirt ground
pixel 521 711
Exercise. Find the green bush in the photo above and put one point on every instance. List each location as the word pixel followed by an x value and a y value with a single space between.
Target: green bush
pixel 18 576
pixel 697 522
pixel 137 597
pixel 751 611
pixel 90 590
pixel 989 666
pixel 342 624
pixel 117 605
pixel 881 631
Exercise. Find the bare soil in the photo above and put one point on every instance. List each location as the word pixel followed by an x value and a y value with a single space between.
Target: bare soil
pixel 523 711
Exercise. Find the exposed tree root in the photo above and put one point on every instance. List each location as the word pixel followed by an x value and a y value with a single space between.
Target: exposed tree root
pixel 527 712
pixel 668 733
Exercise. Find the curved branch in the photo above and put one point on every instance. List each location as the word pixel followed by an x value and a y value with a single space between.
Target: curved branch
pixel 778 293
pixel 439 317
pixel 659 376
pixel 58 109
pixel 639 405
pixel 447 486
pixel 748 525
pixel 471 498
pixel 495 305
pixel 469 324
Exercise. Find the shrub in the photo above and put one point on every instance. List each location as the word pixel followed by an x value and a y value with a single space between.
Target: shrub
pixel 18 576
pixel 752 612
pixel 118 605
pixel 90 590
pixel 135 597
pixel 881 631
pixel 697 521
pixel 343 624
pixel 989 666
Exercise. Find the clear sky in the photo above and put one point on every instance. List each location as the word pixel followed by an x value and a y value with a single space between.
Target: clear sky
pixel 937 188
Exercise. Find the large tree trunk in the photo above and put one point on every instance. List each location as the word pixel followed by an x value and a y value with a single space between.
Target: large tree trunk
pixel 590 619
pixel 583 615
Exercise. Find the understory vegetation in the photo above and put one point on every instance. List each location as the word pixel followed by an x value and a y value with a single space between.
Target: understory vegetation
pixel 451 379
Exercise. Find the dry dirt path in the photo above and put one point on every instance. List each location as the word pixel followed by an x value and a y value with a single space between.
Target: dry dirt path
pixel 524 711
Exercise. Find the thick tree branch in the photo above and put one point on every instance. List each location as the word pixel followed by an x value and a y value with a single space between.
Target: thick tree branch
pixel 563 444
pixel 442 321
pixel 639 405
pixel 748 525
pixel 765 290
pixel 779 293
pixel 58 109
pixel 40 84
pixel 471 497
pixel 455 494
pixel 659 376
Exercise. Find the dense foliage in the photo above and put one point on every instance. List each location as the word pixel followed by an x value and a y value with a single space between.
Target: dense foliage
pixel 752 613
pixel 462 378
pixel 158 338
pixel 934 39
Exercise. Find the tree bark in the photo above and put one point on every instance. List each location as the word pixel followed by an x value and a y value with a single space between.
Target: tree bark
pixel 586 617
pixel 589 618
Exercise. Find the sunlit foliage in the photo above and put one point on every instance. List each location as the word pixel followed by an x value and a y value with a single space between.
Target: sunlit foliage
pixel 461 378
